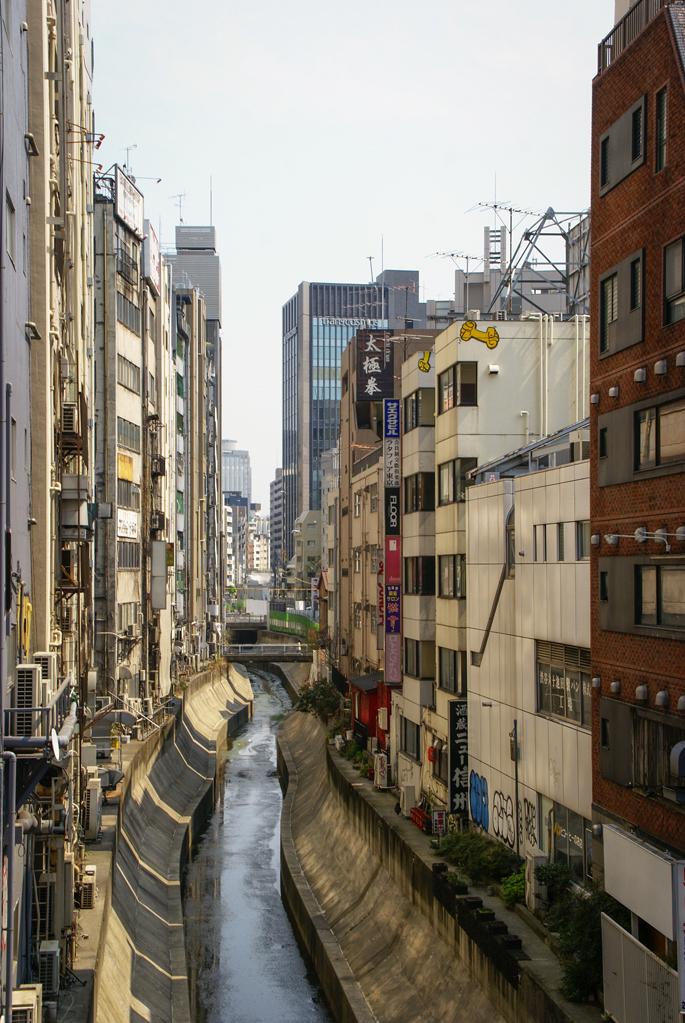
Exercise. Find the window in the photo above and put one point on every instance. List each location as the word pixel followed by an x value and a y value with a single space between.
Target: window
pixel 452 664
pixel 357 616
pixel 636 135
pixel 608 309
pixel 410 737
pixel 419 658
pixel 373 621
pixel 128 554
pixel 603 442
pixel 373 496
pixel 569 841
pixel 419 492
pixel 446 390
pixel 357 503
pixel 511 544
pixel 441 765
pixel 151 389
pixel 674 282
pixel 128 495
pixel 357 556
pixel 128 434
pixel 660 595
pixel 660 435
pixel 179 424
pixel 13 449
pixel 560 541
pixel 652 745
pixel 311 543
pixel 453 479
pixel 635 284
pixel 128 374
pixel 540 543
pixel 582 540
pixel 563 682
pixel 180 503
pixel 419 409
pixel 179 385
pixel 10 229
pixel 419 576
pixel 604 586
pixel 604 162
pixel 373 558
pixel 128 313
pixel 452 569
pixel 127 616
pixel 661 129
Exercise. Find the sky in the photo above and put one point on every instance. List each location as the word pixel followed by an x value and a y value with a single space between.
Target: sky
pixel 337 130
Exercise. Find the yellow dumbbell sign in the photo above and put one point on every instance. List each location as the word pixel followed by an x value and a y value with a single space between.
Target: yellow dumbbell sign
pixel 489 337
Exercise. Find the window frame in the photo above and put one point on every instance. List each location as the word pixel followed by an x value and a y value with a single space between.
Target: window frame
pixel 658 460
pixel 419 580
pixel 453 567
pixel 660 621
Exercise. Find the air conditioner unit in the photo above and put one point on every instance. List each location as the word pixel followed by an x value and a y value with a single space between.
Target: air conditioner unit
pixel 48 967
pixel 92 773
pixel 383 718
pixel 44 909
pixel 343 647
pixel 407 799
pixel 93 814
pixel 380 771
pixel 88 886
pixel 157 466
pixel 134 704
pixel 147 707
pixel 48 669
pixel 535 892
pixel 154 636
pixel 70 418
pixel 131 630
pixel 371 744
pixel 157 521
pixel 28 693
pixel 27 1004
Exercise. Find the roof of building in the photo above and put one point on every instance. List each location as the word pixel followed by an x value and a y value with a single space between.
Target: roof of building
pixel 517 462
pixel 366 682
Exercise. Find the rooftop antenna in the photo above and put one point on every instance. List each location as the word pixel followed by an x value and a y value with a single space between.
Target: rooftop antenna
pixel 127 150
pixel 454 256
pixel 370 259
pixel 180 197
pixel 511 210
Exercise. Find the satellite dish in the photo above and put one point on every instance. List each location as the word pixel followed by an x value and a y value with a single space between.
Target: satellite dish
pixel 54 742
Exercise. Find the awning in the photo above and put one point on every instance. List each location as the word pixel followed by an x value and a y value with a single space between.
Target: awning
pixel 366 682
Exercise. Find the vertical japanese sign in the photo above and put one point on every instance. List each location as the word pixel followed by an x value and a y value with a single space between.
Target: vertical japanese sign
pixel 380 606
pixel 374 367
pixel 393 543
pixel 458 757
pixel 679 922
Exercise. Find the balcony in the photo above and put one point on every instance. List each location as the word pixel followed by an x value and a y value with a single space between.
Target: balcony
pixel 626 31
pixel 127 267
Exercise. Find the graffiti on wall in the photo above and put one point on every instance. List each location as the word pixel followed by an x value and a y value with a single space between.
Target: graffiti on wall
pixel 530 823
pixel 503 818
pixel 478 800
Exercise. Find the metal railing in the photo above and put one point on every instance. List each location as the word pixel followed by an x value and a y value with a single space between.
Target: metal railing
pixel 127 267
pixel 638 987
pixel 266 648
pixel 25 722
pixel 626 31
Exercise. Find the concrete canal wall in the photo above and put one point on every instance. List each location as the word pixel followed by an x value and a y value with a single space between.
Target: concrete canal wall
pixel 167 796
pixel 360 887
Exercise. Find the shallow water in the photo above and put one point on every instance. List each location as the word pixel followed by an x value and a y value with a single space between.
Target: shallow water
pixel 244 962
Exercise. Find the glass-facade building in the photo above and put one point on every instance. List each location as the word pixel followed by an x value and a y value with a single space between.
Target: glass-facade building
pixel 318 323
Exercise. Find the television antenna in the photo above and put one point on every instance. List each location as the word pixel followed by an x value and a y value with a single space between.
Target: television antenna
pixel 181 198
pixel 128 150
pixel 454 256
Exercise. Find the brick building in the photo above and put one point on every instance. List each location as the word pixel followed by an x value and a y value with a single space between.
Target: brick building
pixel 638 459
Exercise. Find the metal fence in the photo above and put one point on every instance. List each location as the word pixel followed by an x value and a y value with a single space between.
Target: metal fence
pixel 638 986
pixel 626 30
pixel 265 648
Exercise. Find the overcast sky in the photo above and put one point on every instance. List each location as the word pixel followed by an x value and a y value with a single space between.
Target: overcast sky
pixel 328 124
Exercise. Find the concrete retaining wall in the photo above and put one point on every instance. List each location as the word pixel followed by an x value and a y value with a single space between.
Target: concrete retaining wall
pixel 346 867
pixel 167 796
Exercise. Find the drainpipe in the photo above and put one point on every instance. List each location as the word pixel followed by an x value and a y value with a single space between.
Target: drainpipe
pixel 516 783
pixel 11 826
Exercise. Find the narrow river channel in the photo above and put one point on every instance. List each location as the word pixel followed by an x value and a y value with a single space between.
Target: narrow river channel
pixel 244 962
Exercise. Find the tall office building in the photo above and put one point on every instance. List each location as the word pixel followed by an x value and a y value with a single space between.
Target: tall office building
pixel 276 523
pixel 196 264
pixel 236 472
pixel 318 322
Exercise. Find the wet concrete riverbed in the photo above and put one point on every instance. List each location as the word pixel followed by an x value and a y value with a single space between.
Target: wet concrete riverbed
pixel 243 959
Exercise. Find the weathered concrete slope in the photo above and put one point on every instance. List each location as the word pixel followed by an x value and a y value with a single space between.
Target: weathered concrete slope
pixel 406 972
pixel 167 795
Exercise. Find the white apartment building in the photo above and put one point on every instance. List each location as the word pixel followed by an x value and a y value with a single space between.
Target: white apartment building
pixel 528 650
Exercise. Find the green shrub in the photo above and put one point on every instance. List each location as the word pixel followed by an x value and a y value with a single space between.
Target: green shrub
pixel 455 880
pixel 514 887
pixel 577 917
pixel 320 698
pixel 481 859
pixel 349 750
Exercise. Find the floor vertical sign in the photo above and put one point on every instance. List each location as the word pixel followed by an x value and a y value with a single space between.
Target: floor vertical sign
pixel 393 542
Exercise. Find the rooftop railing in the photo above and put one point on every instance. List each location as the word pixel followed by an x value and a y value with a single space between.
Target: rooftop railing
pixel 626 31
